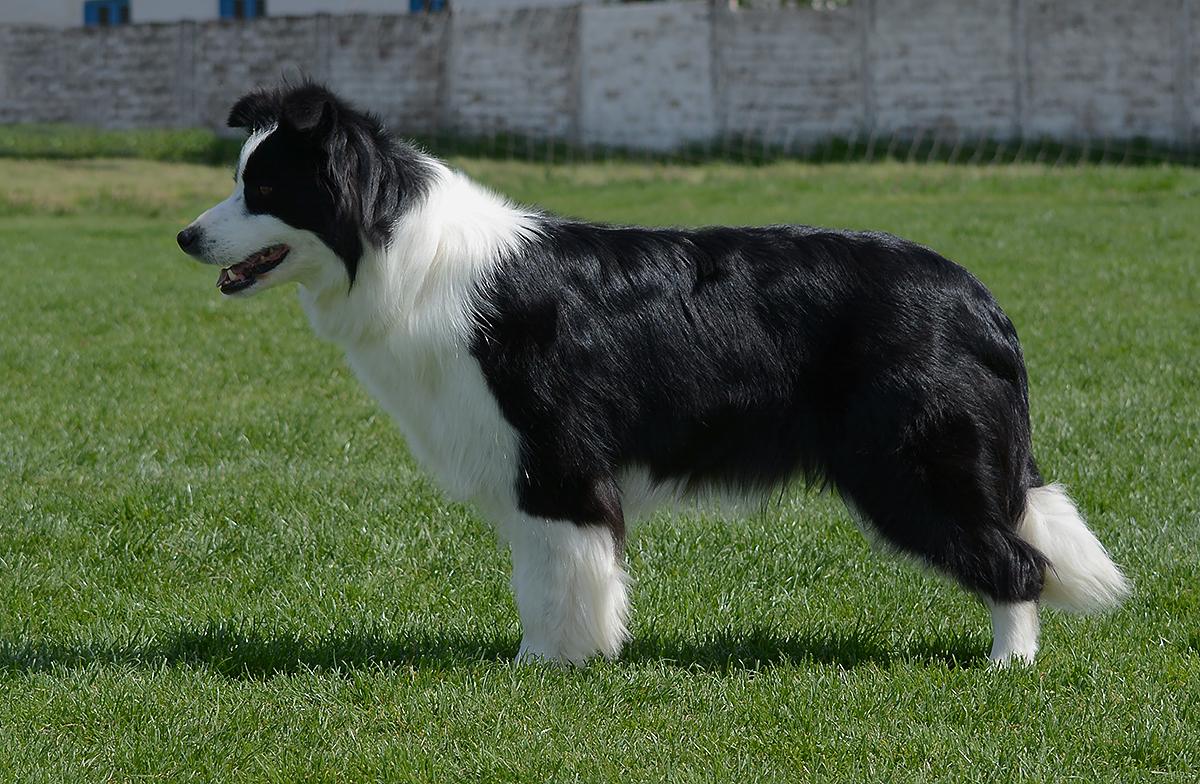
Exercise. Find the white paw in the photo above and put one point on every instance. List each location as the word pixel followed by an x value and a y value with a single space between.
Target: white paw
pixel 1003 659
pixel 532 653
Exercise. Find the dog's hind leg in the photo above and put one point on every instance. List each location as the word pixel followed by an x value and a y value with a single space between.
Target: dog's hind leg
pixel 570 587
pixel 945 503
pixel 1008 575
pixel 993 563
pixel 1079 575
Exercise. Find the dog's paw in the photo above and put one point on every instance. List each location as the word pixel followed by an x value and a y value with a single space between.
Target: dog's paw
pixel 533 654
pixel 1003 659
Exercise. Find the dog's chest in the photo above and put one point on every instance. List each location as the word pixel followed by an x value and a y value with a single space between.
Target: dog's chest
pixel 453 425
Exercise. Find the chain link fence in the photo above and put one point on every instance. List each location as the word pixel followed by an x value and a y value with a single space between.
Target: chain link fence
pixel 916 148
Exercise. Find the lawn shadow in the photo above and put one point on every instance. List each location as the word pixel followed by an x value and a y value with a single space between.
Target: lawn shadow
pixel 240 651
pixel 729 649
pixel 243 651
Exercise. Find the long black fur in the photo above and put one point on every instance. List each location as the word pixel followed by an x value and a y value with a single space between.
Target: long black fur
pixel 748 357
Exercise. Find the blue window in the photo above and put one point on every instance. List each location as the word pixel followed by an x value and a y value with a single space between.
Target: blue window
pixel 103 13
pixel 421 6
pixel 242 9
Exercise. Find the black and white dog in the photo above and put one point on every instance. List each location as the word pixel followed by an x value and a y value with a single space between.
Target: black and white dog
pixel 567 377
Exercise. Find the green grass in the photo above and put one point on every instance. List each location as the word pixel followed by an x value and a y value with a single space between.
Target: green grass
pixel 60 141
pixel 218 562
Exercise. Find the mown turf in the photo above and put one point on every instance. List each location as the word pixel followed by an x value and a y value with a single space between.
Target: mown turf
pixel 218 563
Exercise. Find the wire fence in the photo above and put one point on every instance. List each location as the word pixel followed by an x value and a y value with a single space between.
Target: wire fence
pixel 940 146
pixel 916 148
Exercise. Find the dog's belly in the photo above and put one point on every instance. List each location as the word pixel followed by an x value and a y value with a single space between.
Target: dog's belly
pixel 441 403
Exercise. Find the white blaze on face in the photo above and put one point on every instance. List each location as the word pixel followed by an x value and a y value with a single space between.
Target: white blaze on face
pixel 248 149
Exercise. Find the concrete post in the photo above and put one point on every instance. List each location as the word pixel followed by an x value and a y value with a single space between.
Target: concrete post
pixel 866 25
pixel 1182 61
pixel 1020 67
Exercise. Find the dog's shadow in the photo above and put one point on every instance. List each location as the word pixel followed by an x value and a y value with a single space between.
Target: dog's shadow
pixel 728 650
pixel 246 653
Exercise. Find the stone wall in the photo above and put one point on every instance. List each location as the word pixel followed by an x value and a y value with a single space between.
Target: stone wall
pixel 653 75
pixel 646 77
pixel 513 70
pixel 229 58
pixel 125 77
pixel 956 75
pixel 791 75
pixel 392 65
pixel 1112 66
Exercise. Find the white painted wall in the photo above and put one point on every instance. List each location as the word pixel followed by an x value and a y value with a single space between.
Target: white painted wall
pixel 173 10
pixel 59 13
pixel 177 10
pixel 646 74
pixel 307 7
pixel 484 5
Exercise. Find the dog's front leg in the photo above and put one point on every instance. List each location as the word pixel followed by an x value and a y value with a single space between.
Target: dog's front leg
pixel 571 590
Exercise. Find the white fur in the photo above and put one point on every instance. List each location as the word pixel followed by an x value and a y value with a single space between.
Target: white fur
pixel 405 326
pixel 642 495
pixel 1081 576
pixel 421 286
pixel 1014 632
pixel 572 592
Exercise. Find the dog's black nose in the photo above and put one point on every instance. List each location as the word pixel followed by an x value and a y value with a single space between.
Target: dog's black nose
pixel 187 239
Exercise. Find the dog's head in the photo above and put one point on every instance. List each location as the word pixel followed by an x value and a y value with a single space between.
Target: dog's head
pixel 317 184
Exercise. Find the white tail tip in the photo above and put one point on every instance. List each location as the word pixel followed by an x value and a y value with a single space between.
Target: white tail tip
pixel 1081 577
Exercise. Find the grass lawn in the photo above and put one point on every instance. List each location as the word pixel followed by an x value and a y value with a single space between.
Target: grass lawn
pixel 219 563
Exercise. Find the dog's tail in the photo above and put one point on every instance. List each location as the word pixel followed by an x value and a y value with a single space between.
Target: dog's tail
pixel 1081 577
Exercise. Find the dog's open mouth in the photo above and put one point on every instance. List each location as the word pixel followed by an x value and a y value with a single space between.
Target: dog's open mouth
pixel 243 274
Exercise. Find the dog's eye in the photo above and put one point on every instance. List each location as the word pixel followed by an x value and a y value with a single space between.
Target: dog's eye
pixel 264 190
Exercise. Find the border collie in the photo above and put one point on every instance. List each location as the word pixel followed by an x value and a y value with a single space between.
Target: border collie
pixel 566 377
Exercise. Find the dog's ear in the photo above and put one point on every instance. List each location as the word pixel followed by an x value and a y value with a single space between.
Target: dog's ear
pixel 312 110
pixel 254 111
